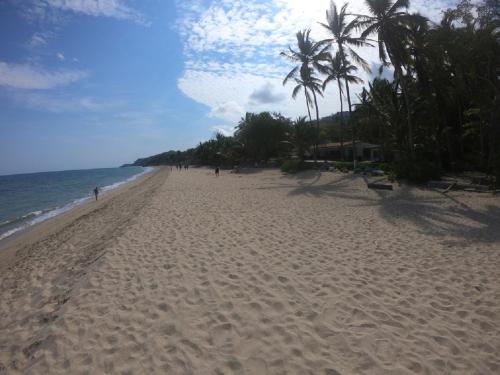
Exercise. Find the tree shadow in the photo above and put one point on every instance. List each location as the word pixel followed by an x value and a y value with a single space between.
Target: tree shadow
pixel 303 175
pixel 250 170
pixel 432 212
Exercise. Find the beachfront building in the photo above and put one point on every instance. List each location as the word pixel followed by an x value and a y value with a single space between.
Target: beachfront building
pixel 364 151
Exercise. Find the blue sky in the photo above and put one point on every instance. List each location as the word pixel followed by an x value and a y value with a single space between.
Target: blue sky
pixel 98 83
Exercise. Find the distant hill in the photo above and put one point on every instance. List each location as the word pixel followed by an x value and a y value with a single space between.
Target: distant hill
pixel 334 118
pixel 165 158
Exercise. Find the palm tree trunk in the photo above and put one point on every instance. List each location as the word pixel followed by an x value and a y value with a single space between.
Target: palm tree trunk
pixel 317 128
pixel 307 103
pixel 341 121
pixel 408 112
pixel 354 156
pixel 354 159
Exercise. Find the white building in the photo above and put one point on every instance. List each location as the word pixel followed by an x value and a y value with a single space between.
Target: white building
pixel 364 151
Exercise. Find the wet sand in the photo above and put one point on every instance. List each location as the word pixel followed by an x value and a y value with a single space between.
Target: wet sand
pixel 257 273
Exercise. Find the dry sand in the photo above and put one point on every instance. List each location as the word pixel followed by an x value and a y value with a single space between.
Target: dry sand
pixel 258 273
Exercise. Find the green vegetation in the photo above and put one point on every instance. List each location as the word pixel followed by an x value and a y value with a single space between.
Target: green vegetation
pixel 292 166
pixel 440 113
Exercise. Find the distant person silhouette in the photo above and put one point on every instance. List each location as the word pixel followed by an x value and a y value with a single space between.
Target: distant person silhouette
pixel 96 192
pixel 217 171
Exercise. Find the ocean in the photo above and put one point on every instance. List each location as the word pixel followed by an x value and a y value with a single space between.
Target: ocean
pixel 28 199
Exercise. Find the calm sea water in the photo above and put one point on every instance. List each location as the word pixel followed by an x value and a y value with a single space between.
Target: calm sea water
pixel 27 199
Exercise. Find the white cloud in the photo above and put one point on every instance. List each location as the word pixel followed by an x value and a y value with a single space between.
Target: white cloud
pixel 50 9
pixel 61 103
pixel 38 39
pixel 226 130
pixel 232 48
pixel 23 76
pixel 230 110
pixel 266 94
pixel 60 56
pixel 228 94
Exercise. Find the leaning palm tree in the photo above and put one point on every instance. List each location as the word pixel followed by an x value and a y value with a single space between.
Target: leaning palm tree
pixel 301 84
pixel 309 56
pixel 314 85
pixel 335 70
pixel 388 20
pixel 341 34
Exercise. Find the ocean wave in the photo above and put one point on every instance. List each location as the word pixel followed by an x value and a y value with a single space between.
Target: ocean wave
pixel 37 217
pixel 23 218
pixel 130 179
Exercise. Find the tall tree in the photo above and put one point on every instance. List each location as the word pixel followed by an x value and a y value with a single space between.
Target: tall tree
pixel 300 84
pixel 309 55
pixel 302 136
pixel 389 20
pixel 341 31
pixel 336 70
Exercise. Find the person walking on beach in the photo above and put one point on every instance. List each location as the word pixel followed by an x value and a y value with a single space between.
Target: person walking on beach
pixel 216 171
pixel 96 192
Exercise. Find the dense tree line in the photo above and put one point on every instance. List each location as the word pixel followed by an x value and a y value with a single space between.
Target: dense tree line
pixel 440 112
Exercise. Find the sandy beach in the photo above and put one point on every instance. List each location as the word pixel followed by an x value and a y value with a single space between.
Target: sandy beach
pixel 256 273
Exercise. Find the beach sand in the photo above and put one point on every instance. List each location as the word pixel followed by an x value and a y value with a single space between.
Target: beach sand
pixel 257 273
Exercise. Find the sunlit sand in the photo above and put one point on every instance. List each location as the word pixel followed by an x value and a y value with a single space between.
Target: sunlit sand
pixel 257 273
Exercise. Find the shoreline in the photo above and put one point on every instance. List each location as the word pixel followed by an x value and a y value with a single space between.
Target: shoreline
pixel 41 269
pixel 37 232
pixel 79 202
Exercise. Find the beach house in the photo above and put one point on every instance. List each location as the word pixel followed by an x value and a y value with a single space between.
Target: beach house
pixel 364 151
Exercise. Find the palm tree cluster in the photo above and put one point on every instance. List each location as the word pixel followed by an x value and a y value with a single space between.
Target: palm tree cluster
pixel 441 110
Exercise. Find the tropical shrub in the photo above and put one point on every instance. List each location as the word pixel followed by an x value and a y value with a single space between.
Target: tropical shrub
pixel 292 166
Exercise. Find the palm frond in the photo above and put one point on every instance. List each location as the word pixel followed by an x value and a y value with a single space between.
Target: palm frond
pixel 290 75
pixel 370 28
pixel 353 79
pixel 296 91
pixel 328 80
pixel 359 60
pixel 398 4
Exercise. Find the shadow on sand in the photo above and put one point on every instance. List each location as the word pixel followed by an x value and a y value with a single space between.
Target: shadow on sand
pixel 434 213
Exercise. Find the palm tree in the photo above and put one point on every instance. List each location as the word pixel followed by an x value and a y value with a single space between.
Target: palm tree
pixel 341 34
pixel 301 84
pixel 335 71
pixel 301 136
pixel 315 87
pixel 309 55
pixel 389 21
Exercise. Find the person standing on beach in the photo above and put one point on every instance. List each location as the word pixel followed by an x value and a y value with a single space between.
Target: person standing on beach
pixel 96 192
pixel 216 171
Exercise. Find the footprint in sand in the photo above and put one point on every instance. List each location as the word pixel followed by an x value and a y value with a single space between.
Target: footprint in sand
pixel 223 336
pixel 255 366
